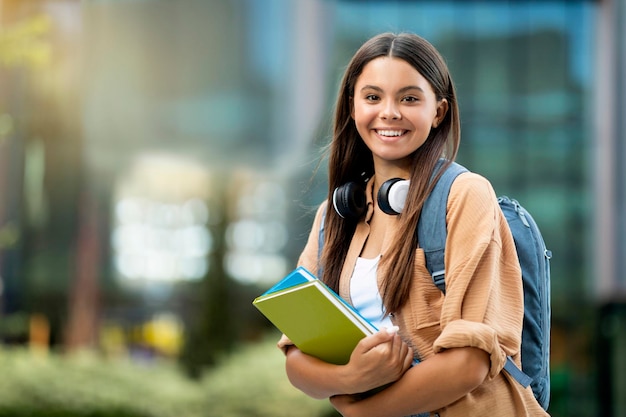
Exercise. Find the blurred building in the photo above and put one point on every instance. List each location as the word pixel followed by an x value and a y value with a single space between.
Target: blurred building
pixel 158 160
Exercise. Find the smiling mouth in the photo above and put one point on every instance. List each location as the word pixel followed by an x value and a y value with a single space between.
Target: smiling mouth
pixel 391 133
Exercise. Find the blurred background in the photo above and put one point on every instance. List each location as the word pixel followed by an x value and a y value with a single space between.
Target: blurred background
pixel 158 170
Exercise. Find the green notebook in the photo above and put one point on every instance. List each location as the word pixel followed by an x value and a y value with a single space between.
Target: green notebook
pixel 314 317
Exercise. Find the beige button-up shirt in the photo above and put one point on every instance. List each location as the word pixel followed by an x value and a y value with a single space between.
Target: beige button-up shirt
pixel 483 305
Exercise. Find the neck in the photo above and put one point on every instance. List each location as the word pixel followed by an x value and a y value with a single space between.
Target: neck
pixel 382 174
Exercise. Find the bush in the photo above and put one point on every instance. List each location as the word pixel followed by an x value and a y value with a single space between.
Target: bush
pixel 249 382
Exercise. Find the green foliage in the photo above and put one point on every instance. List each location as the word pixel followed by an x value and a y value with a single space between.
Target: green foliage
pixel 250 382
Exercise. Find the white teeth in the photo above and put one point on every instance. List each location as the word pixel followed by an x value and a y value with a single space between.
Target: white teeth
pixel 390 132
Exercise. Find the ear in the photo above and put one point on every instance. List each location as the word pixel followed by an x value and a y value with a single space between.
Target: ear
pixel 442 110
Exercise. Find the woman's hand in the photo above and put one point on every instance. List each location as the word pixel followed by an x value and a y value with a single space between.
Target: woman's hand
pixel 377 360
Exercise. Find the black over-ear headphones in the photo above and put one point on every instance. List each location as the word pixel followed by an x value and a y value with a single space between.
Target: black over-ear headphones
pixel 349 199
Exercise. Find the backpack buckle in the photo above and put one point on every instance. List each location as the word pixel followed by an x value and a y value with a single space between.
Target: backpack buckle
pixel 439 278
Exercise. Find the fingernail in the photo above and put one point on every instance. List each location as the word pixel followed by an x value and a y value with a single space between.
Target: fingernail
pixel 392 329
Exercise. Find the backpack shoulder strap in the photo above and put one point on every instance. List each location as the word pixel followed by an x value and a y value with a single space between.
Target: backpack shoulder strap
pixel 431 228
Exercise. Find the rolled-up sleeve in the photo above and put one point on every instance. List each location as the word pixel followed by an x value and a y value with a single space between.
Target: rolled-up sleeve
pixel 463 333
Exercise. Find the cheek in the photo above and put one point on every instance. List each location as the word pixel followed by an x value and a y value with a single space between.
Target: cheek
pixel 361 127
pixel 426 119
pixel 363 114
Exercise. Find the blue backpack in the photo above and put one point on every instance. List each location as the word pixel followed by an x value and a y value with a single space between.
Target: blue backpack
pixel 534 260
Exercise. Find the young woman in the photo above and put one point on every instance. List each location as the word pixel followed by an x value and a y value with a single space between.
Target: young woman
pixel 396 116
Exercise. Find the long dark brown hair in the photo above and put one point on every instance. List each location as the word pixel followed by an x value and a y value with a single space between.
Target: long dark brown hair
pixel 349 158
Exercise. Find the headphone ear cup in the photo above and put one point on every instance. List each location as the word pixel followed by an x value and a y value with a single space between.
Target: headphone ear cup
pixel 349 200
pixel 392 196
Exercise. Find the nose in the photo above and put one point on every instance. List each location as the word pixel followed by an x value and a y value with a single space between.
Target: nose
pixel 390 111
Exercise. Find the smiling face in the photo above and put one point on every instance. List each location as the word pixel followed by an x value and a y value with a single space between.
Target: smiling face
pixel 394 108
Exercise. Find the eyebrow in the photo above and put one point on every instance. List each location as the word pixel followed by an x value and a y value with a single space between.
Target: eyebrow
pixel 402 90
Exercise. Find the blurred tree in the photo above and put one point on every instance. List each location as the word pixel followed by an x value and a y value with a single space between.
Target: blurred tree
pixel 210 324
pixel 40 63
pixel 84 297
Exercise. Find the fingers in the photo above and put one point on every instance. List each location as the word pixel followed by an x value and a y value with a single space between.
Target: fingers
pixel 403 353
pixel 376 339
pixel 397 344
pixel 379 359
pixel 389 341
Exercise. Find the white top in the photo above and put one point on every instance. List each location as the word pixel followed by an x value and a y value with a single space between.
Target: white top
pixel 364 292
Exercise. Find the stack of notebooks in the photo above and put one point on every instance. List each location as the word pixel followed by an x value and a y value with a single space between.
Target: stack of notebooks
pixel 314 317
